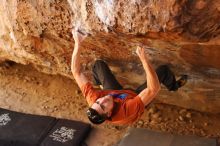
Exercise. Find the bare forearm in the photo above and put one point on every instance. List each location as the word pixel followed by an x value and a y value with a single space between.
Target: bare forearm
pixel 75 63
pixel 152 79
pixel 153 84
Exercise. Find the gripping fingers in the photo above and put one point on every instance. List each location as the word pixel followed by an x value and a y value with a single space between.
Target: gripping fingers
pixel 140 51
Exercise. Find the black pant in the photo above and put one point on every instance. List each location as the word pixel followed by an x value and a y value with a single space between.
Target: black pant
pixel 103 76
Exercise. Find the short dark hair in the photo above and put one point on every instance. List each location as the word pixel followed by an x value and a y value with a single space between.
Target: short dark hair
pixel 95 117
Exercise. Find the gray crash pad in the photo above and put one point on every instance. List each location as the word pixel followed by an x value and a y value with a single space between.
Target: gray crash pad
pixel 67 133
pixel 143 137
pixel 20 129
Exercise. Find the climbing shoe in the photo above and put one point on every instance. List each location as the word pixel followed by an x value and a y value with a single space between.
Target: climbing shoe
pixel 98 87
pixel 182 81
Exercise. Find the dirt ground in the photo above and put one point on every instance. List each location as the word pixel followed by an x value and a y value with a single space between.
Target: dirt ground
pixel 24 89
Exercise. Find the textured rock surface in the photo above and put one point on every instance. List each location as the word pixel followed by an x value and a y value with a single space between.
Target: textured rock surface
pixel 182 33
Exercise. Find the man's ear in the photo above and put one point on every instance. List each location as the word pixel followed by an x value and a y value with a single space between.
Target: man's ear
pixel 109 114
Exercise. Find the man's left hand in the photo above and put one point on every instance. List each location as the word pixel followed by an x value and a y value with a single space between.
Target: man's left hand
pixel 78 37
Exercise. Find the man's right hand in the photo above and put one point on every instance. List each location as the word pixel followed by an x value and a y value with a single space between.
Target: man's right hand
pixel 78 37
pixel 75 62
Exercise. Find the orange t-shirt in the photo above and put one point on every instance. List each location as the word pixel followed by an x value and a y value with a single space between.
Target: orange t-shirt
pixel 125 111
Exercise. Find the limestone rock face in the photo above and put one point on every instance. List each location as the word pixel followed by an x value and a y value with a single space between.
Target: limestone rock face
pixel 181 33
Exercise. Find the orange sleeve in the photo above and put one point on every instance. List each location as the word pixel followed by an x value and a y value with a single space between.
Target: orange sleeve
pixel 90 93
pixel 134 108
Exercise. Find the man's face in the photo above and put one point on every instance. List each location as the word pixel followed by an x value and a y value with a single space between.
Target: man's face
pixel 104 105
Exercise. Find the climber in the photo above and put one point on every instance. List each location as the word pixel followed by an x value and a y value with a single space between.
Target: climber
pixel 113 103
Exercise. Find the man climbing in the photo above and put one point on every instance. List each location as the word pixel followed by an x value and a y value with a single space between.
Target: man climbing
pixel 115 104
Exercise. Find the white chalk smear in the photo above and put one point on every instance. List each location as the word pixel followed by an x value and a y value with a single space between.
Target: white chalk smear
pixel 105 11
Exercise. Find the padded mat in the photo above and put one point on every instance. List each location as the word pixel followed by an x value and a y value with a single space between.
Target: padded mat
pixel 19 129
pixel 144 137
pixel 67 133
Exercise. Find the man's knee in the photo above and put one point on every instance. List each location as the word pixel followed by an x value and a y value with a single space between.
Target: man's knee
pixel 99 63
pixel 163 68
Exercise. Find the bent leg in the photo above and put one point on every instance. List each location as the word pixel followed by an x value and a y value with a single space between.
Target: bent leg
pixel 165 76
pixel 103 76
